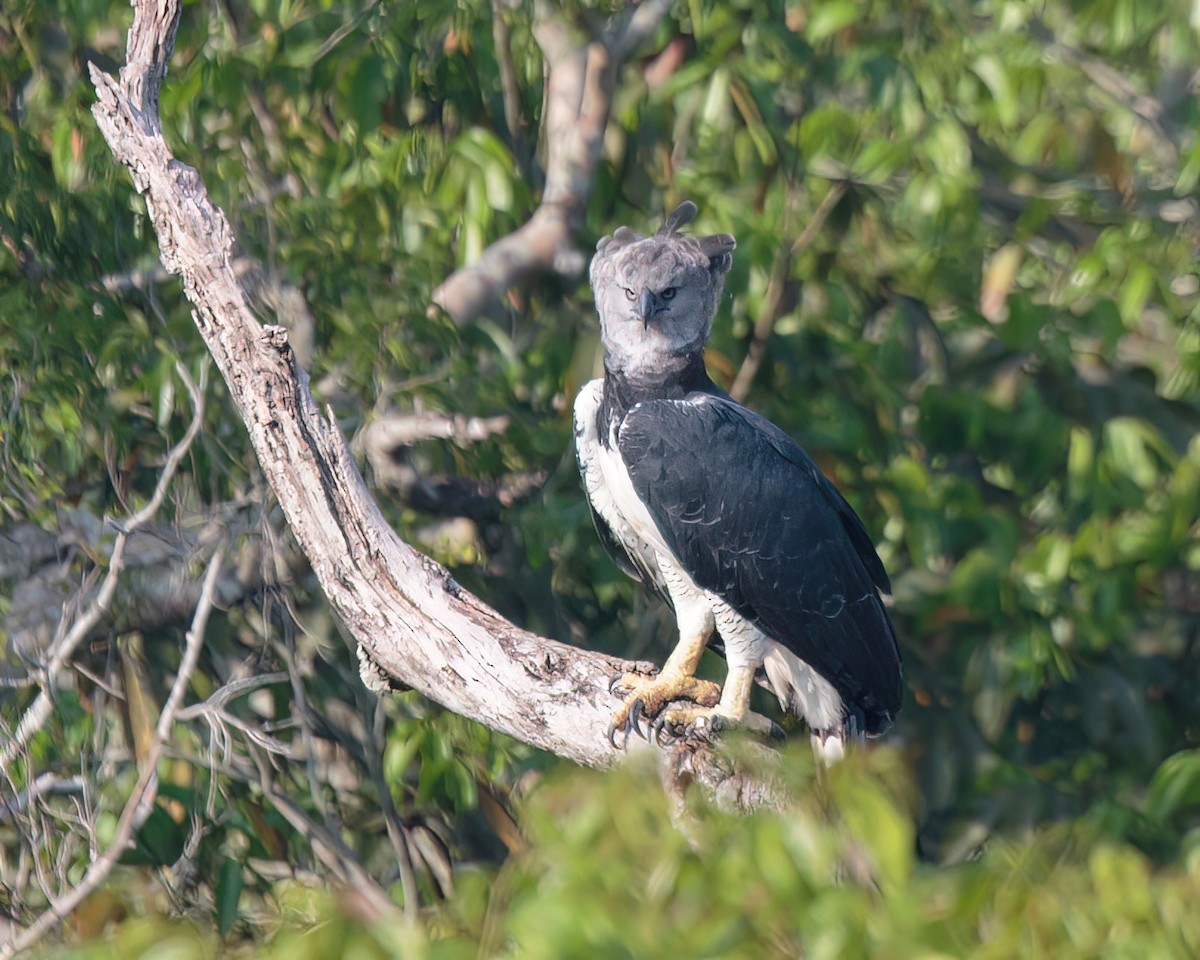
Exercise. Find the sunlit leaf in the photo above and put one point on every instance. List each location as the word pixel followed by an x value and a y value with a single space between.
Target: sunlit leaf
pixel 830 16
pixel 1175 787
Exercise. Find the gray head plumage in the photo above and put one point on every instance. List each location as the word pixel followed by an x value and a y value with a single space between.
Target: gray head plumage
pixel 657 295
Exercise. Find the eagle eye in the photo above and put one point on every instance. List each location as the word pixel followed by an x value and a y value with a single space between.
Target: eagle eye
pixel 668 293
pixel 629 294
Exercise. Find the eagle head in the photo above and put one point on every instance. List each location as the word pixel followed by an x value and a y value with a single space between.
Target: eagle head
pixel 657 295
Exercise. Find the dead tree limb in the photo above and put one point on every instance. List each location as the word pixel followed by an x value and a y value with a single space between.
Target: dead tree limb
pixel 581 76
pixel 157 585
pixel 72 633
pixel 413 623
pixel 386 445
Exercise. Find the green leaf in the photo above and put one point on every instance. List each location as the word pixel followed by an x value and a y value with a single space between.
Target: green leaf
pixel 158 843
pixel 227 894
pixel 368 88
pixel 1175 787
pixel 1139 283
pixel 1132 445
pixel 878 161
pixel 947 145
pixel 1081 461
pixel 67 154
pixel 877 822
pixel 995 76
pixel 830 17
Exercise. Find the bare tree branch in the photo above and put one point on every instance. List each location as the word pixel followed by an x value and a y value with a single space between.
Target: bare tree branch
pixel 323 837
pixel 386 444
pixel 43 784
pixel 405 429
pixel 333 852
pixel 157 588
pixel 412 621
pixel 68 640
pixel 581 78
pixel 397 835
pixel 141 801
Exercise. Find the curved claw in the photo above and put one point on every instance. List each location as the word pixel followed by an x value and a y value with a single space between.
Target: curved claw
pixel 645 701
pixel 633 724
pixel 668 729
pixel 705 728
pixel 614 730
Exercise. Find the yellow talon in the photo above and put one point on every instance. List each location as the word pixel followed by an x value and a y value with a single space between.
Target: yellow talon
pixel 649 696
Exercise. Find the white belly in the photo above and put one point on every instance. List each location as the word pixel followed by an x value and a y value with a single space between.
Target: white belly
pixel 606 480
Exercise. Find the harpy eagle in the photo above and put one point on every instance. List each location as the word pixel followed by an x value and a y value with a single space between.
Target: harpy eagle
pixel 722 515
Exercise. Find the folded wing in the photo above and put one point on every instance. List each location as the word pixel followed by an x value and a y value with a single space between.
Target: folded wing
pixel 752 519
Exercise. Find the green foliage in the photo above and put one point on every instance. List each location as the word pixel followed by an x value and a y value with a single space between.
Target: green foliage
pixel 990 342
pixel 612 870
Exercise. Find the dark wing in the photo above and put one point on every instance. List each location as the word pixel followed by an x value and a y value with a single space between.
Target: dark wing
pixel 751 518
pixel 630 564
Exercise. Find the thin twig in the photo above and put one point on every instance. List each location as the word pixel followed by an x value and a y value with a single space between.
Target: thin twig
pixel 217 719
pixel 141 800
pixel 391 817
pixel 231 691
pixel 342 32
pixel 287 651
pixel 514 118
pixel 326 845
pixel 44 784
pixel 768 314
pixel 820 215
pixel 64 647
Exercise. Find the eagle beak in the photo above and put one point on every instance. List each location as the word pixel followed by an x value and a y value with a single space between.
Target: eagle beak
pixel 645 306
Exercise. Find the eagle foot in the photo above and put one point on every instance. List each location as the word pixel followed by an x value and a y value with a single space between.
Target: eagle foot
pixel 706 724
pixel 641 672
pixel 649 696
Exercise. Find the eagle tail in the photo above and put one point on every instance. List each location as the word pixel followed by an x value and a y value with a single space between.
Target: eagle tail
pixel 805 692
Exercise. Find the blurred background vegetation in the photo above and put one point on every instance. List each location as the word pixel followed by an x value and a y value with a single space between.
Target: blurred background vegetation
pixel 988 338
